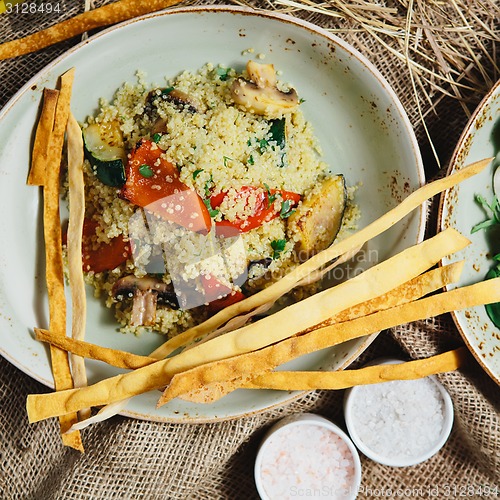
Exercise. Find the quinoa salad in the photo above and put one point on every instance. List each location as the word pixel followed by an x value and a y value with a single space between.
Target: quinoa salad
pixel 201 191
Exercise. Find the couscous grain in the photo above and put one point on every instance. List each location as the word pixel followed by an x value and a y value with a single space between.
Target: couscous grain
pixel 225 160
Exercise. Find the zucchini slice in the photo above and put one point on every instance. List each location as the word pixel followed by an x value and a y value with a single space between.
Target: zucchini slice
pixel 108 161
pixel 278 134
pixel 318 219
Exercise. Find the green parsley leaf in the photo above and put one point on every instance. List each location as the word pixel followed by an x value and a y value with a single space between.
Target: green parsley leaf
pixel 223 73
pixel 156 138
pixel 251 161
pixel 167 90
pixel 208 187
pixel 197 172
pixel 270 197
pixel 286 211
pixel 211 211
pixel 278 246
pixel 492 211
pixel 226 159
pixel 146 171
pixel 263 144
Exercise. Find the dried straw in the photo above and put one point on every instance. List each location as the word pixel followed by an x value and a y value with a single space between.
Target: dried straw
pixel 448 47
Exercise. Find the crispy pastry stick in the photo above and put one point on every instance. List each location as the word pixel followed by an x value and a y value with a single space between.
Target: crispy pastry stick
pixel 357 239
pixel 43 137
pixel 250 364
pixel 53 254
pixel 113 357
pixel 97 18
pixel 412 290
pixel 158 374
pixel 75 230
pixel 411 370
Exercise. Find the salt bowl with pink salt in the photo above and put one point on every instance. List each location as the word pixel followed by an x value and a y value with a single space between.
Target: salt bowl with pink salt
pixel 306 455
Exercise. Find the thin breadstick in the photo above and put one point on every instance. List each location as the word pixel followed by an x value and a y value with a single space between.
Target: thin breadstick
pixel 239 321
pixel 156 375
pixel 36 176
pixel 410 203
pixel 414 289
pixel 75 229
pixel 411 370
pixel 317 308
pixel 256 362
pixel 113 357
pixel 97 18
pixel 53 254
pixel 357 239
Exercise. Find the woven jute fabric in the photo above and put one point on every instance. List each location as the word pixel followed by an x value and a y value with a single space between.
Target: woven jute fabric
pixel 127 458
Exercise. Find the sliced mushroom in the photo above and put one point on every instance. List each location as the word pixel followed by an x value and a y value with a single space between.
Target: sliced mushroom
pixel 259 267
pixel 263 75
pixel 260 95
pixel 159 126
pixel 145 293
pixel 181 99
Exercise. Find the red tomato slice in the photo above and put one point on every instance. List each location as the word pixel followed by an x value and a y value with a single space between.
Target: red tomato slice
pixel 264 210
pixel 153 183
pixel 107 256
pixel 218 295
pixel 219 304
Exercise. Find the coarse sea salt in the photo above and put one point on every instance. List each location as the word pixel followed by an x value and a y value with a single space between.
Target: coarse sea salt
pixel 307 459
pixel 399 419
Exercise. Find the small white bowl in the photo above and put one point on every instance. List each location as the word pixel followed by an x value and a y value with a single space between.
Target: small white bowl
pixel 279 436
pixel 352 396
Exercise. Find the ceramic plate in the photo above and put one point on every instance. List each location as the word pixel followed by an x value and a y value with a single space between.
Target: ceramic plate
pixel 480 139
pixel 361 125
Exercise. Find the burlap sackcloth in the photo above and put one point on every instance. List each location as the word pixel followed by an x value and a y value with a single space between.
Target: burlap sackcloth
pixel 128 458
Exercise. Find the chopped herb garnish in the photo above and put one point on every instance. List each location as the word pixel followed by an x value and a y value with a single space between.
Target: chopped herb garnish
pixel 146 171
pixel 211 211
pixel 277 131
pixel 270 197
pixel 197 172
pixel 208 186
pixel 226 159
pixel 156 138
pixel 249 142
pixel 278 246
pixel 286 209
pixel 301 100
pixel 251 161
pixel 223 73
pixel 167 90
pixel 263 144
pixel 492 210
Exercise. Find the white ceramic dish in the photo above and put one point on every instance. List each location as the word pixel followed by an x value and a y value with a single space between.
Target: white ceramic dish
pixel 352 394
pixel 361 125
pixel 458 209
pixel 295 423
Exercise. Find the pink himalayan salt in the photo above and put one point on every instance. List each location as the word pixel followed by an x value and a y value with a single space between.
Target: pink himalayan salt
pixel 304 460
